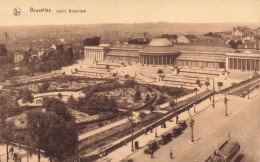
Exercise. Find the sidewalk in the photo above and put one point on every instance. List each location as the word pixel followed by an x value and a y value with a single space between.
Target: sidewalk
pixel 125 151
pixel 96 131
pixel 21 153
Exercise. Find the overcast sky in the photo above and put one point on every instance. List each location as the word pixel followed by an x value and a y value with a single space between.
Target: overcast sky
pixel 131 11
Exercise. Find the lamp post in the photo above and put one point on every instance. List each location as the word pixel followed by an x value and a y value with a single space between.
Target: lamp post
pixel 176 101
pixel 132 129
pixel 213 99
pixel 225 101
pixel 191 126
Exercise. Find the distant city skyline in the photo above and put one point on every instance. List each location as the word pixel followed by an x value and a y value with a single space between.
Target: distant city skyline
pixel 129 11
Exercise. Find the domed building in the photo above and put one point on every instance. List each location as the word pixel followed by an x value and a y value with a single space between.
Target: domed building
pixel 160 51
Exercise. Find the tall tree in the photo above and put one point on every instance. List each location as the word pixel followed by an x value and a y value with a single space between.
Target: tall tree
pixel 137 95
pixel 26 96
pixel 3 50
pixel 57 106
pixel 207 84
pixel 51 133
pixel 6 134
pixel 220 84
pixel 172 104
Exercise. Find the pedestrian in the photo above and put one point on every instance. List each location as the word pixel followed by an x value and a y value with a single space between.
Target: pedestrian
pixel 189 111
pixel 194 108
pixel 228 135
pixel 171 154
pixel 152 154
pixel 209 98
pixel 11 150
pixel 177 118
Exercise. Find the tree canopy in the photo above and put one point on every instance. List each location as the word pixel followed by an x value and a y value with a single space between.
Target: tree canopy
pixel 234 44
pixel 91 41
pixel 25 95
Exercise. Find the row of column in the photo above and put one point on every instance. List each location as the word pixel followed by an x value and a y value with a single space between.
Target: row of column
pixel 243 64
pixel 157 60
pixel 201 64
pixel 91 54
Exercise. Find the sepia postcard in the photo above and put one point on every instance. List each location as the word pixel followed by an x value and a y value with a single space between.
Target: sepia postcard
pixel 129 80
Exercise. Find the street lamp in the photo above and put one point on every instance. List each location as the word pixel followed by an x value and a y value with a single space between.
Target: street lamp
pixel 176 101
pixel 191 126
pixel 225 101
pixel 213 99
pixel 132 129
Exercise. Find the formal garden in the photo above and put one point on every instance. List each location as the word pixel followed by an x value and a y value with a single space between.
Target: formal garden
pixel 59 83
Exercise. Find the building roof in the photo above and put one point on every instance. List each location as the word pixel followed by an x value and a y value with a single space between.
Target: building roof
pixel 201 57
pixel 159 50
pixel 160 42
pixel 178 49
pixel 128 53
pixel 206 49
pixel 128 46
pixel 190 36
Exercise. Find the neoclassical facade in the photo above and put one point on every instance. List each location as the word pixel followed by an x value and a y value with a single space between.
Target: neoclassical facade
pixel 161 52
pixel 95 52
pixel 244 62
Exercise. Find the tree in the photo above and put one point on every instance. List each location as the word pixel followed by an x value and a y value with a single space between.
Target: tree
pixel 147 98
pixel 60 48
pixel 26 96
pixel 112 105
pixel 72 102
pixel 234 44
pixel 172 104
pixel 91 41
pixel 142 115
pixel 3 50
pixel 44 87
pixel 160 71
pixel 152 108
pixel 114 75
pixel 5 134
pixel 49 131
pixel 60 96
pixel 198 82
pixel 207 85
pixel 68 56
pixel 127 76
pixel 220 84
pixel 57 106
pixel 137 95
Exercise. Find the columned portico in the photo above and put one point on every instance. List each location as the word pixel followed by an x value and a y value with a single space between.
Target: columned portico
pixel 244 62
pixel 157 59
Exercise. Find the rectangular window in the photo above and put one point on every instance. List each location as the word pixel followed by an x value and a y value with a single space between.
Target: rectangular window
pixel 252 65
pixel 239 64
pixel 248 64
pixel 243 64
pixel 235 63
pixel 257 65
pixel 231 66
